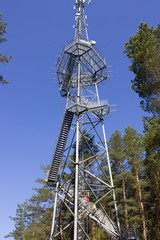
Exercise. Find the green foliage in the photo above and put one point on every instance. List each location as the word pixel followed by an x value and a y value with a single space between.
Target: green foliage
pixel 127 154
pixel 135 159
pixel 133 174
pixel 143 49
pixel 34 217
pixel 21 221
pixel 133 147
pixel 152 172
pixel 117 158
pixel 3 58
pixel 2 29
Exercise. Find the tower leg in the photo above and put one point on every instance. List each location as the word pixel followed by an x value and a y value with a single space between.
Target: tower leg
pixel 76 184
pixel 54 211
pixel 110 173
pixel 109 165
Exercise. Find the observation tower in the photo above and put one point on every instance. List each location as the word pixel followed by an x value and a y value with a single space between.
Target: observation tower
pixel 80 171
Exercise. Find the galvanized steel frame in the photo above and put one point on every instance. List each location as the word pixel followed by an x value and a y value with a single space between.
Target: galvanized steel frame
pixel 79 70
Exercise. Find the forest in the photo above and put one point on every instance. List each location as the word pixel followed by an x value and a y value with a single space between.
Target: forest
pixel 135 158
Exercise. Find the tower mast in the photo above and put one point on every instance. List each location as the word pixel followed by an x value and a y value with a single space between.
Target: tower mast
pixel 82 144
pixel 80 24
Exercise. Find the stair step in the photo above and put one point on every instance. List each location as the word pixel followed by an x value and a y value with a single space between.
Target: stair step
pixel 60 145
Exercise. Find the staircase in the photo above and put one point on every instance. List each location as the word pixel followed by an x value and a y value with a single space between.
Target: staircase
pixel 97 215
pixel 59 149
pixel 102 219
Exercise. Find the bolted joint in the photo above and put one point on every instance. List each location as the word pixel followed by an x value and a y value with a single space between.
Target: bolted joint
pixel 75 163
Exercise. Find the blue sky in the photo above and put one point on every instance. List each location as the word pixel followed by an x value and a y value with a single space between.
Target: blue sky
pixel 31 105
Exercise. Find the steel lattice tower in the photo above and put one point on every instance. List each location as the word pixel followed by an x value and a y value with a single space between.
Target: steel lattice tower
pixel 80 171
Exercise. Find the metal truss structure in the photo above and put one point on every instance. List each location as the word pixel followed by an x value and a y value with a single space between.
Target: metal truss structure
pixel 80 172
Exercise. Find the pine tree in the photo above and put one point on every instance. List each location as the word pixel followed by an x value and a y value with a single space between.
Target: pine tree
pixel 20 222
pixel 135 155
pixel 118 157
pixel 152 175
pixel 143 49
pixel 3 58
pixel 40 208
pixel 34 218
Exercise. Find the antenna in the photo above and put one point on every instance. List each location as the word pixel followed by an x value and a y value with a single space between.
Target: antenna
pixel 78 2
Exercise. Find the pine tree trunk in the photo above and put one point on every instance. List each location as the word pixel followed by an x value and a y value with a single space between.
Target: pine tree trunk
pixel 141 205
pixel 153 65
pixel 157 186
pixel 124 196
pixel 33 232
pixel 99 235
pixel 94 230
pixel 23 225
pixel 23 235
pixel 158 197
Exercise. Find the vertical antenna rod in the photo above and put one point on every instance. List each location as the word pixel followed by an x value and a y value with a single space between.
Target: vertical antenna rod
pixel 81 26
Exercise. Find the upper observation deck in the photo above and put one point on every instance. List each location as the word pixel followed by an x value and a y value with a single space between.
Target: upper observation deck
pixel 93 65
